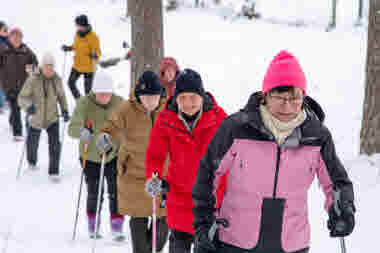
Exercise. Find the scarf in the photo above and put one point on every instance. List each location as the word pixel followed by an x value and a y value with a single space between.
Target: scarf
pixel 280 130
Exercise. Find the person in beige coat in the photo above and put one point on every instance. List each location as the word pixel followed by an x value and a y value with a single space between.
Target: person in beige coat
pixel 39 98
pixel 131 125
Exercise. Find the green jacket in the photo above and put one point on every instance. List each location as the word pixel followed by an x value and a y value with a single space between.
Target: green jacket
pixel 88 109
pixel 45 93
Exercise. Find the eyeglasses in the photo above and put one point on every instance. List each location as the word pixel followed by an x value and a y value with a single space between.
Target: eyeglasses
pixel 283 100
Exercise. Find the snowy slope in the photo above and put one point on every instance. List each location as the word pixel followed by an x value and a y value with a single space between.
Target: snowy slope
pixel 37 216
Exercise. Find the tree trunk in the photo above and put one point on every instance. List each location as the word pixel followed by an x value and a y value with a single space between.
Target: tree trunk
pixel 370 132
pixel 147 37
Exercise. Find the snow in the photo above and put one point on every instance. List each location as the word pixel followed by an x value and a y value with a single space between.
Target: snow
pixel 232 56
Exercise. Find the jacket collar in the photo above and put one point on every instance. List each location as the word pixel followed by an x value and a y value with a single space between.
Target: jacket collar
pixel 92 98
pixel 83 33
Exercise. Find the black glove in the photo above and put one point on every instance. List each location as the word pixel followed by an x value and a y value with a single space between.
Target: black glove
pixel 205 236
pixel 104 143
pixel 66 117
pixel 31 109
pixel 67 48
pixel 343 224
pixel 156 186
pixel 94 56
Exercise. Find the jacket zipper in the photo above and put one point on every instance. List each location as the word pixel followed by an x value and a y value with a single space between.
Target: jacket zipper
pixel 45 102
pixel 176 128
pixel 277 170
pixel 152 118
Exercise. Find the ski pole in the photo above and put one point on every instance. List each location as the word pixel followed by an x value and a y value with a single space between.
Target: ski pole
pixel 89 125
pixel 24 148
pixel 154 220
pixel 21 160
pixel 61 142
pixel 78 204
pixel 98 200
pixel 336 197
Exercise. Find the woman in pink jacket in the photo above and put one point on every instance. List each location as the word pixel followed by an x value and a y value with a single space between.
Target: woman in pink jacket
pixel 272 150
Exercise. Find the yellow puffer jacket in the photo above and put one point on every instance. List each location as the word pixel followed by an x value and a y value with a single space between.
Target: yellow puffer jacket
pixel 83 47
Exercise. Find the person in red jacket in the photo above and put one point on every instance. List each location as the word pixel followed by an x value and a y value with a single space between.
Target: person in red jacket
pixel 183 130
pixel 169 71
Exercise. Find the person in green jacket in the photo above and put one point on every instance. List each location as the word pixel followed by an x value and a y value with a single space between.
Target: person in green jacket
pixel 88 120
pixel 39 97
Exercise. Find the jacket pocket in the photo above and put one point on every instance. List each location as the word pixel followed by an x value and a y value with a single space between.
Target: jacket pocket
pixel 123 163
pixel 271 225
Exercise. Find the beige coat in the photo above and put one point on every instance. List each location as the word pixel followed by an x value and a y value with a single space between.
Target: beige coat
pixel 132 126
pixel 45 93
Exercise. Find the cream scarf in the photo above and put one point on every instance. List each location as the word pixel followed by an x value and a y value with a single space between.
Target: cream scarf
pixel 280 130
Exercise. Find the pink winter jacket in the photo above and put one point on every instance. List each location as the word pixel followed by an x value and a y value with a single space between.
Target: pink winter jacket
pixel 265 201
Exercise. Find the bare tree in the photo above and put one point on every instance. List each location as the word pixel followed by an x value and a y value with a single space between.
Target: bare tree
pixel 147 36
pixel 370 132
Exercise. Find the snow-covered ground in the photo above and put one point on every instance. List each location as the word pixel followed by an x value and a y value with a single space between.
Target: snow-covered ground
pixel 37 216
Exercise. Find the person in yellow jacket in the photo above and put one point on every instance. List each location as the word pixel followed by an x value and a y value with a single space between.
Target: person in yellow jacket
pixel 87 52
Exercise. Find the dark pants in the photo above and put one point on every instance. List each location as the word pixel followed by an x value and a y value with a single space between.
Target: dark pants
pixel 226 248
pixel 180 242
pixel 15 114
pixel 32 143
pixel 141 234
pixel 92 177
pixel 74 76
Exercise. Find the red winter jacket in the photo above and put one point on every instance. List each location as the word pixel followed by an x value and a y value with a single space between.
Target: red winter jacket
pixel 170 136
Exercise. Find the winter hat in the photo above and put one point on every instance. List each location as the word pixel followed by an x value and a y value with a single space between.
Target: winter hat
pixel 166 63
pixel 2 24
pixel 284 70
pixel 16 31
pixel 48 59
pixel 81 20
pixel 189 81
pixel 103 82
pixel 148 84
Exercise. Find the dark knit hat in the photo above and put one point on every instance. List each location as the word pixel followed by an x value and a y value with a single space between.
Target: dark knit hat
pixel 82 20
pixel 189 81
pixel 148 84
pixel 2 24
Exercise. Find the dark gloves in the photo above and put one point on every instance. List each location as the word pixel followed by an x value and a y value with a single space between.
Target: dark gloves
pixel 156 186
pixel 31 109
pixel 94 56
pixel 206 236
pixel 67 48
pixel 104 143
pixel 66 117
pixel 86 135
pixel 341 222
